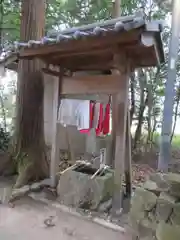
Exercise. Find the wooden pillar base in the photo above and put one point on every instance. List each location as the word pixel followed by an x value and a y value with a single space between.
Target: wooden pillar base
pixel 55 152
pixel 120 115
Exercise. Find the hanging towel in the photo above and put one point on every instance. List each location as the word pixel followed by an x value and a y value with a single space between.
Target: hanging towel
pixel 83 115
pixel 74 112
pixel 106 122
pixel 67 110
pixel 91 116
pixel 100 121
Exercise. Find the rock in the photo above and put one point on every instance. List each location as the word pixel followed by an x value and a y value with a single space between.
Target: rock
pixel 157 216
pixel 172 177
pixel 102 188
pixel 165 231
pixel 19 192
pixel 146 198
pixel 46 182
pixel 152 215
pixel 157 177
pixel 105 206
pixel 175 217
pixel 141 202
pixel 40 185
pixel 156 183
pixel 146 228
pixel 35 187
pixel 174 181
pixel 151 186
pixel 164 206
pixel 79 190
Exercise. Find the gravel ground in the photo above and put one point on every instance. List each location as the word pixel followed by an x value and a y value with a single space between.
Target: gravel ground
pixel 26 222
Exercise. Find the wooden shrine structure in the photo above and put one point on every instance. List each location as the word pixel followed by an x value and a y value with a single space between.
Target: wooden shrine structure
pixel 116 47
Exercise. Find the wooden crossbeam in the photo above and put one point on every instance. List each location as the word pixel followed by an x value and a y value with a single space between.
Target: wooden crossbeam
pixel 88 85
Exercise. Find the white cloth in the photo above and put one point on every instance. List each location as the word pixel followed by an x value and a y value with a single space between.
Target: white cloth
pixel 74 112
pixel 96 115
pixel 83 115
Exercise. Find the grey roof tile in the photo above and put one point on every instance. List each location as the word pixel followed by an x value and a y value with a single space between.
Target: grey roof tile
pixel 121 24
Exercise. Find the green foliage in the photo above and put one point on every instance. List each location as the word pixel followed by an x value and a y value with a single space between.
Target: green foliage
pixel 4 140
pixel 10 25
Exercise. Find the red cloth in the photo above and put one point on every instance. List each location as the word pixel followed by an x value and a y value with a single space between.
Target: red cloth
pixel 106 123
pixel 100 122
pixel 103 122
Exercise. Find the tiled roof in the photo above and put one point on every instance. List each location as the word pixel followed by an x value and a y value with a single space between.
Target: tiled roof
pixel 122 24
pixel 99 28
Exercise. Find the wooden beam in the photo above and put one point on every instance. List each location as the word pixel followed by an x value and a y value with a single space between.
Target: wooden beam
pixel 102 98
pixel 98 51
pixel 95 51
pixel 97 84
pixel 54 167
pixel 75 62
pixel 88 85
pixel 93 67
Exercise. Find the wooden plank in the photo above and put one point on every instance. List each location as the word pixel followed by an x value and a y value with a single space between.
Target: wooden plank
pixel 98 51
pixel 102 98
pixel 82 45
pixel 88 85
pixel 128 159
pixel 97 84
pixel 93 67
pixel 94 51
pixel 54 167
pixel 121 107
pixel 76 62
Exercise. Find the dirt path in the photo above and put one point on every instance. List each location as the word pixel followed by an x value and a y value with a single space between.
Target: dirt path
pixel 26 222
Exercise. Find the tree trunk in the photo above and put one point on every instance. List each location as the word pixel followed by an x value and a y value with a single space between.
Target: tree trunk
pixel 176 112
pixel 142 107
pixel 149 115
pixel 30 145
pixel 140 122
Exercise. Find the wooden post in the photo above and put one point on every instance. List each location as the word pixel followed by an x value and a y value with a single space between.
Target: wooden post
pixel 121 106
pixel 110 156
pixel 55 153
pixel 128 169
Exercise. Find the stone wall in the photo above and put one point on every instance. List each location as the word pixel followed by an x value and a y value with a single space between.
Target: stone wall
pixel 155 208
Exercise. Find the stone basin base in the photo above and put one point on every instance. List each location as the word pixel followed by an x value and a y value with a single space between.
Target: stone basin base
pixel 77 189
